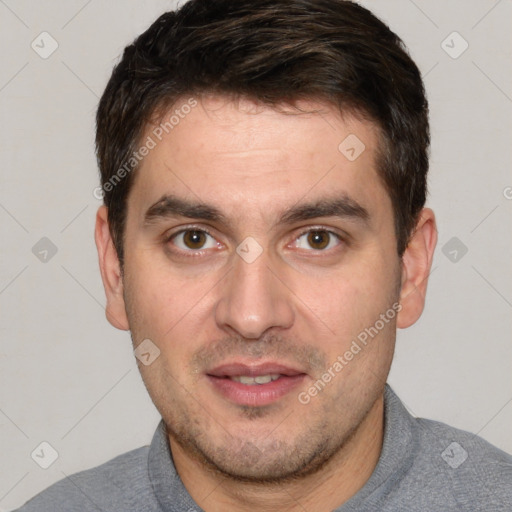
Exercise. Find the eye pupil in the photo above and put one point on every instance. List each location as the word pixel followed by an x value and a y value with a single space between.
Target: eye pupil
pixel 318 239
pixel 194 239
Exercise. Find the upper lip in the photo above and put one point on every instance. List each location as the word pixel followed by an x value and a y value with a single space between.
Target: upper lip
pixel 252 370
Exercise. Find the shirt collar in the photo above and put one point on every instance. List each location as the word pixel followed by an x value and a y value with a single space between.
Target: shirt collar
pixel 169 490
pixel 399 449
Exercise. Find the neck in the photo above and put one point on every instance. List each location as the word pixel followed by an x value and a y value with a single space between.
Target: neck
pixel 331 486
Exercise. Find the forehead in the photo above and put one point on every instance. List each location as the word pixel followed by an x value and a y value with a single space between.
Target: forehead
pixel 243 157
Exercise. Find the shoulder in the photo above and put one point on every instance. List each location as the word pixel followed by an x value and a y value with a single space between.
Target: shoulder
pixel 464 467
pixel 115 485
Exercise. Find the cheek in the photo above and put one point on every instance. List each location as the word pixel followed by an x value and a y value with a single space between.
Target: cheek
pixel 347 300
pixel 167 308
pixel 151 303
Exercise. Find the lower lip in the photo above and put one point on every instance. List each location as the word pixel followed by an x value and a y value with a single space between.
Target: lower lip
pixel 256 394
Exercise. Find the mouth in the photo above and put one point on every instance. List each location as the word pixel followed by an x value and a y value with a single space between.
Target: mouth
pixel 254 385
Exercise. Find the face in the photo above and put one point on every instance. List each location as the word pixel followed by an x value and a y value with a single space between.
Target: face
pixel 258 257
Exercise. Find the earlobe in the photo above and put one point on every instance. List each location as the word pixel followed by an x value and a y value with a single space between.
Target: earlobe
pixel 416 265
pixel 110 272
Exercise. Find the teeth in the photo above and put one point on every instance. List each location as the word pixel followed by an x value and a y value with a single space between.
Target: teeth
pixel 260 379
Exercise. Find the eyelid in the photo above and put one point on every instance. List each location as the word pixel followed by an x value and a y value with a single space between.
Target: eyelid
pixel 341 235
pixel 182 229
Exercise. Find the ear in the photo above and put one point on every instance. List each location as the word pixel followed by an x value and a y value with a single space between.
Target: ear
pixel 416 264
pixel 110 272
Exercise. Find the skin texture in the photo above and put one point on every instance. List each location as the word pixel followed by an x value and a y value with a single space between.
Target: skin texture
pixel 295 304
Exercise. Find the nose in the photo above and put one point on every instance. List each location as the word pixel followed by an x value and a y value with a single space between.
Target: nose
pixel 254 299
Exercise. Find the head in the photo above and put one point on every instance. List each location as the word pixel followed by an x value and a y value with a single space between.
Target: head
pixel 264 174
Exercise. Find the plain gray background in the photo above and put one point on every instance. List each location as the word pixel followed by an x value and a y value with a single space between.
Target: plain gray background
pixel 69 379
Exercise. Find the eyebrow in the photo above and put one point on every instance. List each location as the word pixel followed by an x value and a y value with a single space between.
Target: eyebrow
pixel 343 207
pixel 171 206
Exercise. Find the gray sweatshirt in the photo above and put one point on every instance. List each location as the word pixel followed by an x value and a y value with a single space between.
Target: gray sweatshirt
pixel 424 466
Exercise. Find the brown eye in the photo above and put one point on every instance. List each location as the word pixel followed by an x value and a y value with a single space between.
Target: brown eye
pixel 193 240
pixel 318 239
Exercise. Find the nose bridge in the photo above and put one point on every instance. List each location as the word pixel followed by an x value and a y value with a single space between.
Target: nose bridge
pixel 253 300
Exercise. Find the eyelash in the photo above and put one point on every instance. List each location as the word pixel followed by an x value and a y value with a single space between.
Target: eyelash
pixel 198 252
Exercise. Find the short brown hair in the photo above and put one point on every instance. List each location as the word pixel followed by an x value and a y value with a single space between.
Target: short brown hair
pixel 273 51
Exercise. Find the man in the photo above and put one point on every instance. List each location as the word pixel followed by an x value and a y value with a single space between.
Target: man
pixel 263 236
